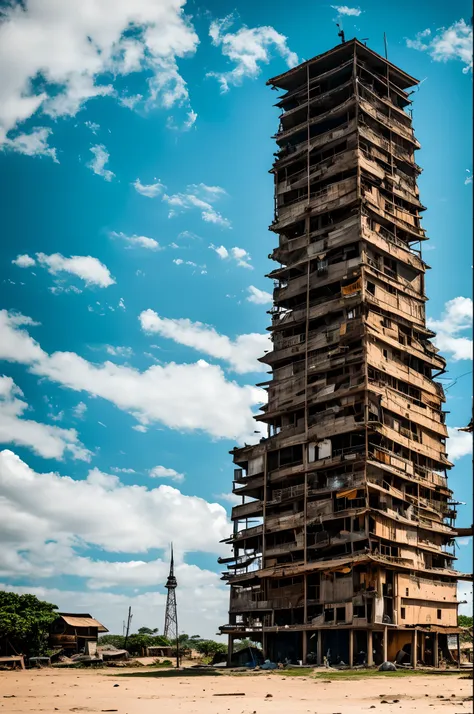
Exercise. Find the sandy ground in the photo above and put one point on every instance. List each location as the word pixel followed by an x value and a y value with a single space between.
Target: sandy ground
pixel 109 691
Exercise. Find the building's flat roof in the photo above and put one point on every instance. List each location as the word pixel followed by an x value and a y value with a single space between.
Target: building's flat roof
pixel 287 79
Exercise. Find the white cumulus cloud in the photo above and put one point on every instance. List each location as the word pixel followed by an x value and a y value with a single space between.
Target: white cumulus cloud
pixel 85 267
pixel 239 255
pixel 98 163
pixel 46 440
pixel 46 539
pixel 164 472
pixel 154 516
pixel 138 241
pixel 241 353
pixel 452 43
pixel 259 297
pixel 80 410
pixel 179 396
pixel 24 261
pixel 33 144
pixel 459 443
pixel 198 196
pixel 150 190
pixel 231 498
pixel 247 49
pixel 455 320
pixel 346 10
pixel 71 47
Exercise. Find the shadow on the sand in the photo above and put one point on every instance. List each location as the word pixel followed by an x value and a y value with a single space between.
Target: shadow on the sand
pixel 172 673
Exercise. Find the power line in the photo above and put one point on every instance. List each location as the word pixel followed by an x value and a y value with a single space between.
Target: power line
pixel 456 379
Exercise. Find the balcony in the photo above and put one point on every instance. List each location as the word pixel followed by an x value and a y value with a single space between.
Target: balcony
pixel 254 508
pixel 327 199
pixel 335 272
pixel 242 486
pixel 247 533
pixel 289 153
pixel 339 109
pixel 390 123
pixel 284 494
pixel 284 548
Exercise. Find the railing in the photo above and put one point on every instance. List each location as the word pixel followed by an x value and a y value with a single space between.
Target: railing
pixel 316 166
pixel 244 570
pixel 314 120
pixel 315 100
pixel 248 533
pixel 319 140
pixel 368 133
pixel 409 227
pixel 334 483
pixel 380 101
pixel 243 509
pixel 281 494
pixel 322 193
pixel 386 120
pixel 388 235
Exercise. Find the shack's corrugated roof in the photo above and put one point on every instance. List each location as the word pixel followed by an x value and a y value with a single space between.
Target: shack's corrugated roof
pixel 81 620
pixel 447 630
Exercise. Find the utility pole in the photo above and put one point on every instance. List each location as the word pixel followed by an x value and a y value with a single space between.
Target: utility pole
pixel 127 630
pixel 171 615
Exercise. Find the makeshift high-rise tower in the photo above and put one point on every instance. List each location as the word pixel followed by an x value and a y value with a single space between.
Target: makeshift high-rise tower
pixel 171 614
pixel 350 554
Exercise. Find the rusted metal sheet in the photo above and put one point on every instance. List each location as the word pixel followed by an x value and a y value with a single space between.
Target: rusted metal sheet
pixel 83 621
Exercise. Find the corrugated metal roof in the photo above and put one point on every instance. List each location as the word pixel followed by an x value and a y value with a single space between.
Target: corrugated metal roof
pixel 436 628
pixel 83 621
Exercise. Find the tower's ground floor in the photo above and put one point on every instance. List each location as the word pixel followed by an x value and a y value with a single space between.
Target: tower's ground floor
pixel 428 646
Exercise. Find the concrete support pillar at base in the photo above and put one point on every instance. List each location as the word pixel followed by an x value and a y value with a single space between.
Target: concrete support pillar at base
pixel 422 646
pixel 319 658
pixel 385 643
pixel 370 649
pixel 305 646
pixel 230 647
pixel 414 648
pixel 264 645
pixel 435 651
pixel 459 650
pixel 351 648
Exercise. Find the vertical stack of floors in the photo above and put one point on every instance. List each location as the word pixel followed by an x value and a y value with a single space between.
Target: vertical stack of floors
pixel 341 544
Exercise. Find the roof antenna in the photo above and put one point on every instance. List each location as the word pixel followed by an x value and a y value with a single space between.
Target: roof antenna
pixel 341 33
pixel 364 40
pixel 385 45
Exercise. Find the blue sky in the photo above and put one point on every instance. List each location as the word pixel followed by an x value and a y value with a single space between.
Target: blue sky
pixel 135 155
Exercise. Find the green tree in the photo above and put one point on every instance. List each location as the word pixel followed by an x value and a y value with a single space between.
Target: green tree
pixel 187 643
pixel 465 621
pixel 25 621
pixel 245 642
pixel 147 631
pixel 117 641
pixel 136 642
pixel 208 648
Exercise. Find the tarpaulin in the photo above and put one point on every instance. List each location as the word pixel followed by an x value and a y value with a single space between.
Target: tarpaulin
pixel 352 288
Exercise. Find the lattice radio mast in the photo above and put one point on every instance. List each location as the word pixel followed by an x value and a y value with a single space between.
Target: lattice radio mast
pixel 171 615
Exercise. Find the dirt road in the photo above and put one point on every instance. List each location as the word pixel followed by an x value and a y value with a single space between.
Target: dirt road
pixel 150 692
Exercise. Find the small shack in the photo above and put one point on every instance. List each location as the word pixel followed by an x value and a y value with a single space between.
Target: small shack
pixel 246 657
pixel 75 633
